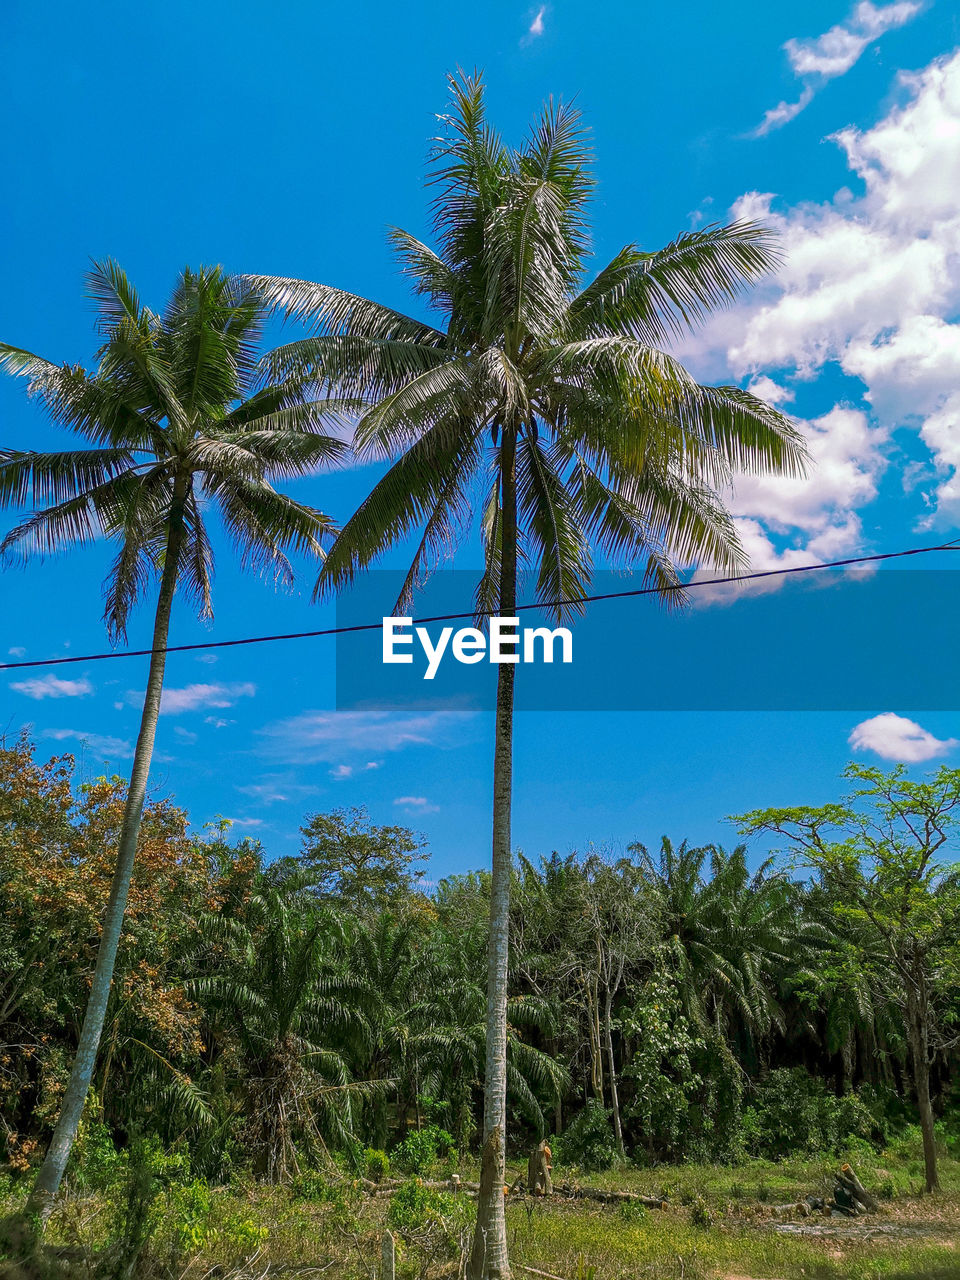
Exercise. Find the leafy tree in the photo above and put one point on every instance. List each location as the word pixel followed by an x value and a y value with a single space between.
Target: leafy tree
pixel 663 1063
pixel 880 856
pixel 357 863
pixel 176 426
pixel 556 400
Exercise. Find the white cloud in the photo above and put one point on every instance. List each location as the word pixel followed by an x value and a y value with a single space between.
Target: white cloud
pixel 342 771
pixel 276 789
pixel 776 117
pixel 836 51
pixel 193 697
pixel 217 722
pixel 869 287
pixel 896 738
pixel 536 26
pixel 832 54
pixel 207 658
pixel 846 458
pixel 419 804
pixel 17 651
pixel 51 686
pixel 765 387
pixel 184 735
pixel 328 736
pixel 100 744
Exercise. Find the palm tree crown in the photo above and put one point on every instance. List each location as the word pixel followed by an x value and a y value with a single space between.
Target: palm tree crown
pixel 614 445
pixel 178 421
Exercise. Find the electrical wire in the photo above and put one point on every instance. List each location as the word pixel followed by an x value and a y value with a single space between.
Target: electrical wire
pixel 483 613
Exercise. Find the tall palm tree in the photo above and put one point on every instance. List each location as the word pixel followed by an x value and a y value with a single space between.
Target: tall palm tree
pixel 549 406
pixel 179 424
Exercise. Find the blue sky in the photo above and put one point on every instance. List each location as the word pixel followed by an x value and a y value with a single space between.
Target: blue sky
pixel 284 139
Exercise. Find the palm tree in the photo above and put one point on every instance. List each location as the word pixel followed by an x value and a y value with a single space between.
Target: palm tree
pixel 281 994
pixel 736 934
pixel 179 424
pixel 548 405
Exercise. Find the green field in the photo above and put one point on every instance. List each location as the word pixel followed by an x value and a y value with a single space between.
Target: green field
pixel 720 1222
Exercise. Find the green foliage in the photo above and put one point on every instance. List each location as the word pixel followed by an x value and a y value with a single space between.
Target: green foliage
pixel 701 1214
pixel 348 859
pixel 418 1211
pixel 662 1063
pixel 376 1164
pixel 633 1211
pixel 423 1147
pixel 588 1141
pixel 793 1113
pixel 95 1162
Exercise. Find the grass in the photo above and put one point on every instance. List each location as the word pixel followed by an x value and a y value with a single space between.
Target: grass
pixel 718 1225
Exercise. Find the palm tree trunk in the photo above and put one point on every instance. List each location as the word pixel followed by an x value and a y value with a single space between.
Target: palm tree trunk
pixel 40 1202
pixel 489 1260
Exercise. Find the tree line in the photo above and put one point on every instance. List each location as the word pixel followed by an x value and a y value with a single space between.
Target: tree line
pixel 663 1004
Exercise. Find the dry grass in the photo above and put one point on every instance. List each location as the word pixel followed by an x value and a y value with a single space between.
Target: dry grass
pixel 719 1226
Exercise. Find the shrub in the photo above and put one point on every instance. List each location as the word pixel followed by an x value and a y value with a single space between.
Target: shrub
pixel 795 1114
pixel 701 1214
pixel 588 1139
pixel 376 1164
pixel 633 1211
pixel 422 1147
pixel 416 1209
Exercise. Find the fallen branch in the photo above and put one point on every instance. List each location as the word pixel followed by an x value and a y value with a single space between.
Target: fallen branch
pixel 610 1197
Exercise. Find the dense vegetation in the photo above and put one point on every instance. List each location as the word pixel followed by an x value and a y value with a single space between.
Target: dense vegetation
pixel 277 1017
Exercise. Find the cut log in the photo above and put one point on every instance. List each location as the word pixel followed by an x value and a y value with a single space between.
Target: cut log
pixel 859 1190
pixel 610 1197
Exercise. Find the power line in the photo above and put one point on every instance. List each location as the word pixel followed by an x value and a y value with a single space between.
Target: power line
pixel 482 613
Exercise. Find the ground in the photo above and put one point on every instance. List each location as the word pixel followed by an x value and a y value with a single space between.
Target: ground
pixel 721 1223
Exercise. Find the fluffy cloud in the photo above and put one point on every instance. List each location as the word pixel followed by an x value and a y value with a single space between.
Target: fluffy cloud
pixel 328 736
pixel 51 686
pixel 832 54
pixel 98 743
pixel 194 697
pixel 416 804
pixel 870 285
pixel 896 738
pixel 845 461
pixel 836 51
pixel 342 771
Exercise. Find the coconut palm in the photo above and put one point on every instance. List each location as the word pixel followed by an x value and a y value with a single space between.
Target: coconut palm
pixel 178 425
pixel 549 408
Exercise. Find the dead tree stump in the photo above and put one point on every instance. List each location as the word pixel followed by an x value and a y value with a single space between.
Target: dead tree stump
pixel 539 1170
pixel 388 1257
